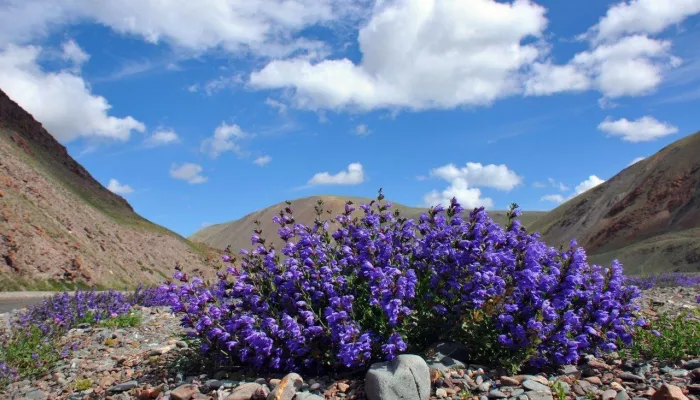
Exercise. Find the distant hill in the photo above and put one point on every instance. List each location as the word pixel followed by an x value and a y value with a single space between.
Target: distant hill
pixel 237 233
pixel 647 216
pixel 60 228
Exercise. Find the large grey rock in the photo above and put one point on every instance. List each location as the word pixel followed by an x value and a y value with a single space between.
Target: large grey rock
pixel 406 377
pixel 307 396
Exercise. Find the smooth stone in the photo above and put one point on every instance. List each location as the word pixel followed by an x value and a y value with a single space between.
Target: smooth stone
pixel 536 386
pixel 123 387
pixel 692 364
pixel 307 396
pixel 244 392
pixel 535 395
pixel 441 393
pixel 405 377
pixel 497 394
pixel 609 394
pixel 484 387
pixel 184 392
pixel 626 376
pixel 36 394
pixel 669 392
pixel 287 387
pixel 622 396
pixel 517 392
pixel 570 370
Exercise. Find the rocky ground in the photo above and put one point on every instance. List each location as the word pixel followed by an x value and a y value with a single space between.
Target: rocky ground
pixel 143 363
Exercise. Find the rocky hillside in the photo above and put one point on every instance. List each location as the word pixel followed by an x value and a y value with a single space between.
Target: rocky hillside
pixel 647 216
pixel 60 228
pixel 237 233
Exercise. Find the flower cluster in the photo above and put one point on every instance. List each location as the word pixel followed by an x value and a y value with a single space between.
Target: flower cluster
pixel 149 296
pixel 63 311
pixel 669 279
pixel 380 284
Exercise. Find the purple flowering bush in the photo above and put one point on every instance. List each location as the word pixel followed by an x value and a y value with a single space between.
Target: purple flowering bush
pixel 380 285
pixel 669 279
pixel 29 346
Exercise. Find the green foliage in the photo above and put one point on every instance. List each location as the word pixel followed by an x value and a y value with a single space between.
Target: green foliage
pixel 669 338
pixel 479 334
pixel 29 352
pixel 129 320
pixel 83 384
pixel 559 390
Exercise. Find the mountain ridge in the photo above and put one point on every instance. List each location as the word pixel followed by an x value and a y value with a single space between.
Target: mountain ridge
pixel 60 228
pixel 654 201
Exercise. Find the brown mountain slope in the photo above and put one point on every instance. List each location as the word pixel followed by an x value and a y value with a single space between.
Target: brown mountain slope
pixel 237 233
pixel 59 227
pixel 647 216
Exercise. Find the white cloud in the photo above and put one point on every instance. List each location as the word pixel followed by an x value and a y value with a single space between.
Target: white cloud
pixel 264 27
pixel 73 53
pixel 225 139
pixel 115 187
pixel 636 160
pixel 582 187
pixel 262 160
pixel 559 185
pixel 464 183
pixel 421 54
pixel 632 66
pixel 217 85
pixel 362 130
pixel 539 185
pixel 644 129
pixel 188 172
pixel 161 137
pixel 476 174
pixel 467 197
pixel 62 101
pixel 281 107
pixel 547 78
pixel 554 198
pixel 354 175
pixel 642 16
pixel 588 184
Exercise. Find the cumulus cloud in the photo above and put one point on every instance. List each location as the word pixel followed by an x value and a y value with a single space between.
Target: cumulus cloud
pixel 644 129
pixel 467 196
pixel 73 53
pixel 354 175
pixel 115 187
pixel 262 160
pixel 636 160
pixel 554 198
pixel 362 130
pixel 588 184
pixel 475 174
pixel 188 172
pixel 265 27
pixel 161 137
pixel 641 16
pixel 632 66
pixel 421 54
pixel 464 183
pixel 582 187
pixel 226 138
pixel 62 101
pixel 281 107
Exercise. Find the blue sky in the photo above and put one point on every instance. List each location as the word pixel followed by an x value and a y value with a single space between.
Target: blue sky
pixel 200 115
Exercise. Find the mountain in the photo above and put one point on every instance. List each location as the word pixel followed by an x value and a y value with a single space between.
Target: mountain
pixel 237 233
pixel 647 216
pixel 60 228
